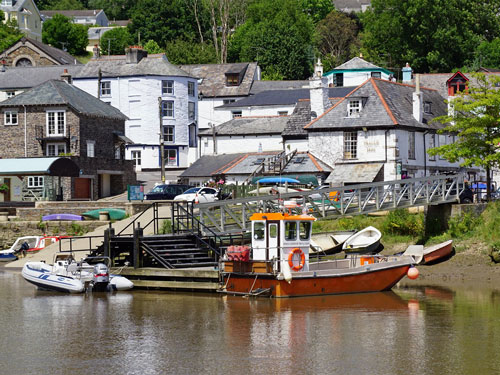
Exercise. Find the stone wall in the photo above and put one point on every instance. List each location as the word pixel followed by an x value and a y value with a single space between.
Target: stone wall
pixel 28 53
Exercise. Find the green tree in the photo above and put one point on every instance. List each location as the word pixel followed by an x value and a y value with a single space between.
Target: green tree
pixel 488 54
pixel 65 5
pixel 61 33
pixel 162 21
pixel 278 35
pixel 336 39
pixel 114 9
pixel 9 33
pixel 152 47
pixel 475 119
pixel 182 52
pixel 117 39
pixel 430 35
pixel 317 9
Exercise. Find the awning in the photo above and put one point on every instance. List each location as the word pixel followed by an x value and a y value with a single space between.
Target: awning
pixel 123 137
pixel 354 173
pixel 55 166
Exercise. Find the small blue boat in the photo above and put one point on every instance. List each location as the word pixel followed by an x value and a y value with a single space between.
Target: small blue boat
pixel 278 180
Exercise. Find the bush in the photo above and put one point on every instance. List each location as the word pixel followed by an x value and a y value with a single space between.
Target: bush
pixel 463 225
pixel 166 227
pixel 401 222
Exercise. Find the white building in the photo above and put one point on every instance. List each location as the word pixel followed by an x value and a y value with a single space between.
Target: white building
pixel 356 71
pixel 26 15
pixel 142 87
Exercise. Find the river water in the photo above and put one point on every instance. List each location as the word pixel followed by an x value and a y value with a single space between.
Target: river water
pixel 417 330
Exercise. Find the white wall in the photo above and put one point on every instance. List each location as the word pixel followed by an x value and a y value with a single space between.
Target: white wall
pixel 237 144
pixel 208 114
pixel 297 144
pixel 271 110
pixel 137 97
pixel 356 78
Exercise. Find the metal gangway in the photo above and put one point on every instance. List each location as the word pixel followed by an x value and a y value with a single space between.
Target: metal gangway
pixel 233 215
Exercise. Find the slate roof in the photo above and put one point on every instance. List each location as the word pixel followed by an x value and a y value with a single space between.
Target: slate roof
pixel 259 86
pixel 284 97
pixel 357 63
pixel 97 32
pixel 213 78
pixel 386 104
pixel 55 92
pixel 27 77
pixel 250 125
pixel 60 56
pixel 116 66
pixel 71 13
pixel 437 81
pixel 209 165
pixel 351 5
pixel 18 5
pixel 304 162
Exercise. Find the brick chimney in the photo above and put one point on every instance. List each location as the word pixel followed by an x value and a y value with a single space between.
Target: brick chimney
pixel 66 77
pixel 318 91
pixel 134 54
pixel 418 101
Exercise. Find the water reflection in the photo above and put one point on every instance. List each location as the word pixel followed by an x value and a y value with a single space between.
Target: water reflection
pixel 425 330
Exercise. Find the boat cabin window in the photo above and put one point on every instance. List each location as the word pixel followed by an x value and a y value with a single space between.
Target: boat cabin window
pixel 305 230
pixel 290 230
pixel 273 231
pixel 258 231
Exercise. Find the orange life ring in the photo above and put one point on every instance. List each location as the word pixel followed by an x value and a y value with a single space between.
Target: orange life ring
pixel 302 259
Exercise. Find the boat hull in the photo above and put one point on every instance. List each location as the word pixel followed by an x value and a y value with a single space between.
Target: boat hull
pixel 438 252
pixel 7 257
pixel 39 274
pixel 367 280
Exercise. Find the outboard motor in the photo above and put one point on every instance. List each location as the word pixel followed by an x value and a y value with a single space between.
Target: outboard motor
pixel 100 278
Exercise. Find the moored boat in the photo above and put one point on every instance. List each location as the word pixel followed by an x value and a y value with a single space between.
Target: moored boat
pixel 59 217
pixel 366 241
pixel 330 242
pixel 69 276
pixel 279 264
pixel 114 213
pixel 22 243
pixel 438 252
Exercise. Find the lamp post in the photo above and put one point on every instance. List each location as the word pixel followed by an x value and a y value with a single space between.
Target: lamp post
pixel 162 140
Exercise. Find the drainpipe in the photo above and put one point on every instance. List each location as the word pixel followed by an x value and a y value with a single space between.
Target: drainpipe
pixel 425 154
pixel 26 134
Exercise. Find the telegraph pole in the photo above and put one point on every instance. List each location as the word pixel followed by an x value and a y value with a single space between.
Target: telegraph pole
pixel 162 140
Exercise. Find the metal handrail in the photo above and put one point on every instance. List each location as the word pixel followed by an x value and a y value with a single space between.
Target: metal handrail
pixel 153 205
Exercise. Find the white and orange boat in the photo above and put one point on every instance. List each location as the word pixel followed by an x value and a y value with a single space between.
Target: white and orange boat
pixel 277 264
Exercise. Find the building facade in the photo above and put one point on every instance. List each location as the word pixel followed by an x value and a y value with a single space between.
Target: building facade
pixel 25 13
pixel 159 99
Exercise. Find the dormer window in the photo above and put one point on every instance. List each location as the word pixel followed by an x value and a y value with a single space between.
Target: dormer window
pixel 232 80
pixel 428 107
pixel 353 108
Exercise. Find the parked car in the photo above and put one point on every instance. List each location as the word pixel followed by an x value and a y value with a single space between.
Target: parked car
pixel 204 195
pixel 166 191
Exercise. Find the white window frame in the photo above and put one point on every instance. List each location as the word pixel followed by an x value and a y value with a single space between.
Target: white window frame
pixel 56 132
pixel 167 108
pixel 10 94
pixel 167 87
pixel 411 146
pixel 236 114
pixel 191 110
pixel 106 88
pixel 136 157
pixel 57 147
pixel 432 144
pixel 168 159
pixel 169 133
pixel 91 149
pixel 190 88
pixel 350 145
pixel 354 107
pixel 35 182
pixel 11 118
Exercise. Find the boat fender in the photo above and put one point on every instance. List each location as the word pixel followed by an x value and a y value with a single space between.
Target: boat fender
pixel 299 266
pixel 413 273
pixel 287 274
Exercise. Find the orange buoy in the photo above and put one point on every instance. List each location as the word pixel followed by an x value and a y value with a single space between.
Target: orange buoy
pixel 300 253
pixel 413 273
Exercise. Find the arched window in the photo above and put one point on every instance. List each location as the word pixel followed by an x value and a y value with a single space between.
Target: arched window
pixel 23 62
